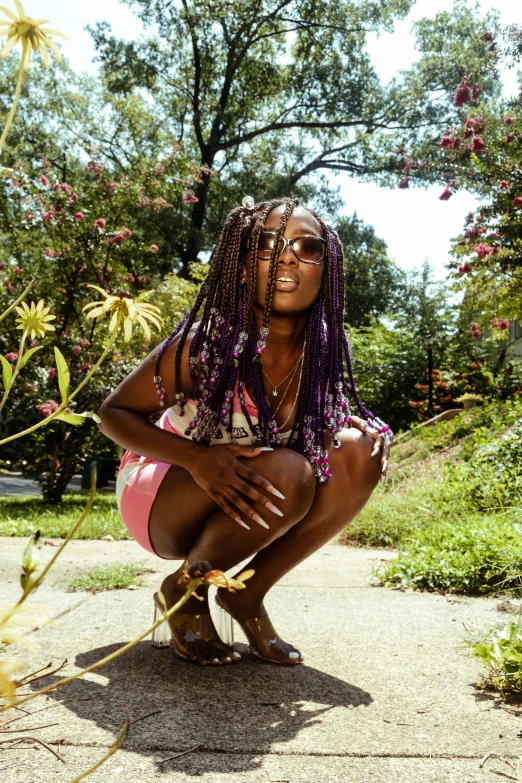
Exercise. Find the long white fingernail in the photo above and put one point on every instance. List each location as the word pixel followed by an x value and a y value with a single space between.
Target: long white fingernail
pixel 375 451
pixel 265 448
pixel 275 492
pixel 274 509
pixel 260 521
pixel 240 522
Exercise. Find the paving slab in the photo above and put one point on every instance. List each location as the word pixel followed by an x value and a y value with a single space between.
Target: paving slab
pixel 387 689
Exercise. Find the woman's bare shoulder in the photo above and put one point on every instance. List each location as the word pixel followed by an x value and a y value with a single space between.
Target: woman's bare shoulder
pixel 137 391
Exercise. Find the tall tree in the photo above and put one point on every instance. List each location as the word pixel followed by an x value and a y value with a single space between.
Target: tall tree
pixel 235 80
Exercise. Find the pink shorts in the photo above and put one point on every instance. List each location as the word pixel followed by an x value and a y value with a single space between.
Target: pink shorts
pixel 139 493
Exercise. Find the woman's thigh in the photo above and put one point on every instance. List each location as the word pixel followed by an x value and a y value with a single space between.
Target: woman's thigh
pixel 181 507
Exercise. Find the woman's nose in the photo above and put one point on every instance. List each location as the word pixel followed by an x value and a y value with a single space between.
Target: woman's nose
pixel 287 257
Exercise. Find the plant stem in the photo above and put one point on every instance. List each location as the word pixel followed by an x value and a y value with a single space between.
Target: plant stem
pixel 16 96
pixel 17 302
pixel 112 750
pixel 15 373
pixel 75 392
pixel 108 658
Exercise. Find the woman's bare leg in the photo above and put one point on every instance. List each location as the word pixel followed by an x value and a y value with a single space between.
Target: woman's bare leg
pixel 199 530
pixel 354 477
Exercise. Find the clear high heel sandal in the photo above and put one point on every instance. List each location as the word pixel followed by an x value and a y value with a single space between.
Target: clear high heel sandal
pixel 181 628
pixel 258 630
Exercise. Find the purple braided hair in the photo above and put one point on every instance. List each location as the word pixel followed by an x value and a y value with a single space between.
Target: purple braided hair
pixel 228 348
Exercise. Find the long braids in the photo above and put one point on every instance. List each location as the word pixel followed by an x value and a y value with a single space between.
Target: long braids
pixel 229 350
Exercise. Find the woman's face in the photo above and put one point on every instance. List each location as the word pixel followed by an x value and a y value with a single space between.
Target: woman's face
pixel 295 296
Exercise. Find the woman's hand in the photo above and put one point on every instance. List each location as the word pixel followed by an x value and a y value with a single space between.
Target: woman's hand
pixel 380 442
pixel 226 479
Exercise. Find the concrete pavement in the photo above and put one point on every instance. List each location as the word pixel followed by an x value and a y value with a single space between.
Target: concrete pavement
pixel 386 693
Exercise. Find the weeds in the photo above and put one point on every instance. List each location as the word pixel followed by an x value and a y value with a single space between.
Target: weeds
pixel 115 577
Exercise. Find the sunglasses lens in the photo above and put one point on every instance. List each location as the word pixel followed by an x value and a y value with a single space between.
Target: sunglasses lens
pixel 266 244
pixel 309 249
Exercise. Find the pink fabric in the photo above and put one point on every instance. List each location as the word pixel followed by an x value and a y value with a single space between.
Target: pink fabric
pixel 140 490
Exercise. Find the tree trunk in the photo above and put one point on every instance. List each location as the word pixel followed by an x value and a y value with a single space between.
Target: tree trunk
pixel 199 209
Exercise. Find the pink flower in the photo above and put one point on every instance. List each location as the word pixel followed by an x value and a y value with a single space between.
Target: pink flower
pixel 446 141
pixel 80 217
pixel 18 270
pixel 114 239
pixel 475 92
pixel 509 138
pixel 499 323
pixel 2 267
pixel 47 407
pixel 142 279
pixel 494 235
pixel 465 268
pixel 57 208
pixel 12 356
pixel 462 94
pixel 517 201
pixel 482 250
pixel 503 184
pixel 190 197
pixel 509 120
pixel 474 330
pixel 478 144
pixel 50 253
pixel 100 223
pixel 154 248
pixel 404 183
pixel 446 194
pixel 76 349
pixel 113 186
pixel 65 187
pixel 44 180
pixel 73 198
pixel 29 215
pixel 57 186
pixel 48 216
pixel 51 372
pixel 126 232
pixel 29 387
pixel 8 284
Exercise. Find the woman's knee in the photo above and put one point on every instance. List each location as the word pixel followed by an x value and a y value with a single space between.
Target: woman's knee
pixel 354 458
pixel 291 474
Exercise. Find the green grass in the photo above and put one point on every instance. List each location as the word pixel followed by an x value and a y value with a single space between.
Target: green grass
pixel 115 577
pixel 22 516
pixel 453 506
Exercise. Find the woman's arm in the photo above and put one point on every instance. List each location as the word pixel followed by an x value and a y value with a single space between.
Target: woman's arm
pixel 125 413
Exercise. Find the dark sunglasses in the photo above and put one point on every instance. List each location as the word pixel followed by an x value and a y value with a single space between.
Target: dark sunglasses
pixel 308 249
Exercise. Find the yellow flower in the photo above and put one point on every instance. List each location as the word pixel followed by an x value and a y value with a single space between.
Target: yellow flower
pixel 33 319
pixel 30 32
pixel 134 312
pixel 200 569
pixel 7 685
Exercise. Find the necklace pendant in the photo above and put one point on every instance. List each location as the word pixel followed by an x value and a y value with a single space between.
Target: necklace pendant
pixel 275 392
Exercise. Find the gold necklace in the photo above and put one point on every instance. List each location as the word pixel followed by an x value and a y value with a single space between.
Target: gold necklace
pixel 284 379
pixel 289 384
pixel 296 398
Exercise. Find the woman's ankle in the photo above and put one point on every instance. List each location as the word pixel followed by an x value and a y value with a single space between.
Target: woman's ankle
pixel 173 591
pixel 240 604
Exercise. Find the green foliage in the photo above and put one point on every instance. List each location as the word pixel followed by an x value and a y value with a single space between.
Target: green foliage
pixel 500 651
pixel 215 76
pixel 21 516
pixel 115 577
pixel 457 525
pixel 482 554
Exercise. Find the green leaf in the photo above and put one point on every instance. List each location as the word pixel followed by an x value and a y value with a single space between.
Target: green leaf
pixel 77 418
pixel 32 562
pixel 7 373
pixel 70 418
pixel 27 355
pixel 64 378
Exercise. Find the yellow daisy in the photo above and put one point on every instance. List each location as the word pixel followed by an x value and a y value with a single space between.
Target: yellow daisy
pixel 33 320
pixel 134 312
pixel 30 33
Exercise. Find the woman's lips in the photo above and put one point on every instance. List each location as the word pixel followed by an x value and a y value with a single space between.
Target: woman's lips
pixel 283 285
pixel 286 280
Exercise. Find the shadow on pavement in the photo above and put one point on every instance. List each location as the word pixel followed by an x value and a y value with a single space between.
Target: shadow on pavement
pixel 241 709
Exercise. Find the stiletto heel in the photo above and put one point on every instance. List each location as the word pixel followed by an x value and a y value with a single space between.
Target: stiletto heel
pixel 161 634
pixel 224 626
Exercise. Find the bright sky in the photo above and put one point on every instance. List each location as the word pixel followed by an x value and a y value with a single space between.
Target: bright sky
pixel 414 223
